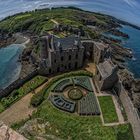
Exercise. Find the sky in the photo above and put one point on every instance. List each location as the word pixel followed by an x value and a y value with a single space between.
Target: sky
pixel 127 10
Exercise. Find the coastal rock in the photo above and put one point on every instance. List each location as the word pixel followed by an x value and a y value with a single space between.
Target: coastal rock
pixel 119 58
pixel 136 86
pixel 117 32
pixel 126 78
pixel 136 99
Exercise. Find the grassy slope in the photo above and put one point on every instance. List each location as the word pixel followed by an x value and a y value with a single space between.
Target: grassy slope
pixel 40 21
pixel 65 125
pixel 71 126
pixel 108 109
pixel 76 127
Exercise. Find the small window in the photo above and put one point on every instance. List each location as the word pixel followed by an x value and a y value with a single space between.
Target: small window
pixel 55 61
pixel 69 57
pixel 58 69
pixel 50 71
pixel 76 56
pixel 62 58
pixel 69 65
pixel 76 65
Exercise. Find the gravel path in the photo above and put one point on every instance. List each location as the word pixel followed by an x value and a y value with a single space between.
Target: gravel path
pixel 19 110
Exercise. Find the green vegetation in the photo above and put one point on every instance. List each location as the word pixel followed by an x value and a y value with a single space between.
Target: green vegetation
pixel 83 82
pixel 62 84
pixel 123 134
pixel 38 98
pixel 26 88
pixel 1 107
pixel 68 126
pixel 17 125
pixel 53 82
pixel 22 16
pixel 40 20
pixel 108 109
pixel 75 94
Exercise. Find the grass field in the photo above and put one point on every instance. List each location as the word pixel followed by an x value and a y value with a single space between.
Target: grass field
pixel 74 127
pixel 108 109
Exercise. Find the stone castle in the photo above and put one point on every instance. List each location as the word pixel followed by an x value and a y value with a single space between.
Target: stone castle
pixel 70 53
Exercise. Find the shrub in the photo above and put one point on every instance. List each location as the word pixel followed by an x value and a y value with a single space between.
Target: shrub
pixel 37 99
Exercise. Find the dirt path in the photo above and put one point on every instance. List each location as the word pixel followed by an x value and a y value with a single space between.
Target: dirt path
pixel 20 110
pixel 91 67
pixel 54 21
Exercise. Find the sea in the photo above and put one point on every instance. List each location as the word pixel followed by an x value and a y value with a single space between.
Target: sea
pixel 9 65
pixel 127 10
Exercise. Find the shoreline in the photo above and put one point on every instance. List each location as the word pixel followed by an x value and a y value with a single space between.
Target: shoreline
pixel 21 41
pixel 120 55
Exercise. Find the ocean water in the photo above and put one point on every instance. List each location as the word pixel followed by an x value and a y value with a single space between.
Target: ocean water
pixel 133 43
pixel 9 66
pixel 127 10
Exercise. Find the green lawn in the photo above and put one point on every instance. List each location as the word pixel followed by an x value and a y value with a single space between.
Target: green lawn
pixel 108 109
pixel 76 127
pixel 39 21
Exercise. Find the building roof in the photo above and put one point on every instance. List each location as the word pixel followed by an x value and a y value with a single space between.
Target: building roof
pixel 106 68
pixel 69 42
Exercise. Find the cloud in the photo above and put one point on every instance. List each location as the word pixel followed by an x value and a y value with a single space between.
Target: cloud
pixel 131 3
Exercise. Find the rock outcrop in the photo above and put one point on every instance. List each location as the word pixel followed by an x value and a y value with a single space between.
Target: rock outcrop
pixel 38 129
pixel 7 133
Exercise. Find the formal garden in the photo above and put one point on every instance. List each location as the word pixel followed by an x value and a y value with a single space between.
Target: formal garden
pixel 75 95
pixel 65 125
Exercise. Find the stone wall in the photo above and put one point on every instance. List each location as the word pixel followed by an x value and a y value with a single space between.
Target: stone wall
pixel 67 60
pixel 70 59
pixel 131 112
pixel 17 84
pixel 89 49
pixel 109 82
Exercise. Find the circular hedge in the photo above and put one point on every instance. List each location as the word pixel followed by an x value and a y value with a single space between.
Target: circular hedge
pixel 75 94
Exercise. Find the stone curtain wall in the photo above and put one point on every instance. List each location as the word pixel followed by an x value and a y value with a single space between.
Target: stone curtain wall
pixel 131 112
pixel 18 83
